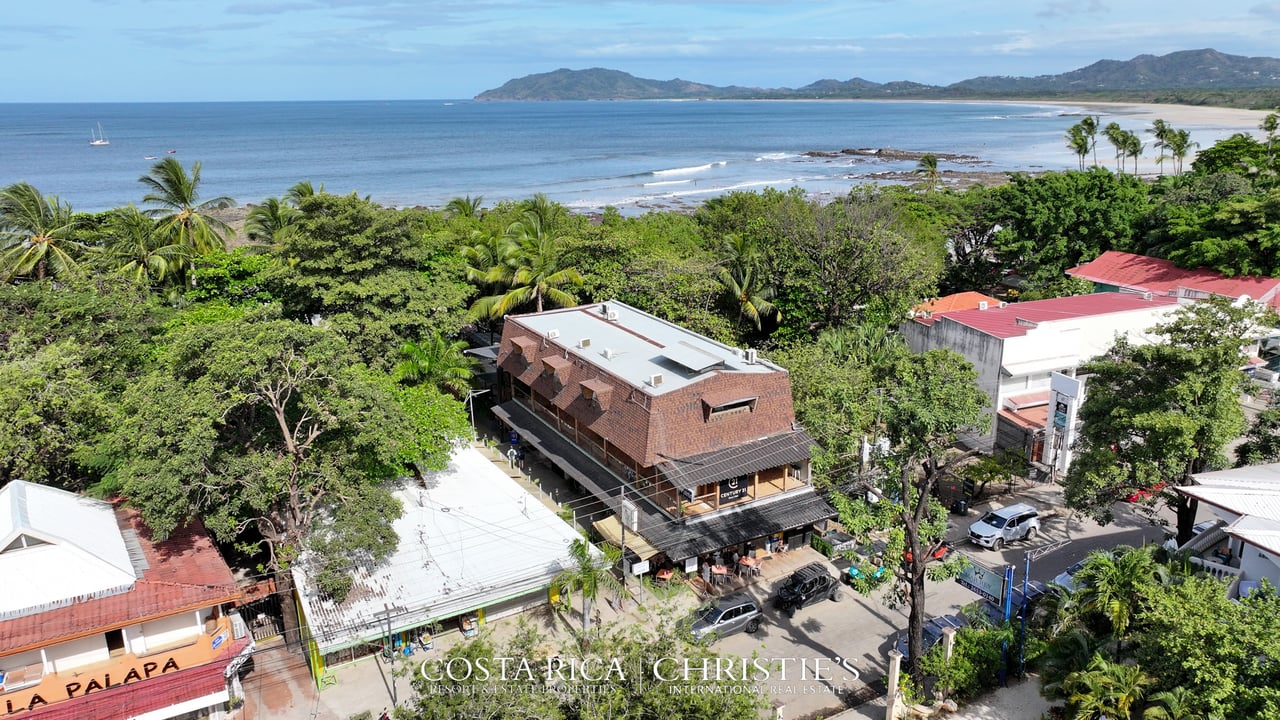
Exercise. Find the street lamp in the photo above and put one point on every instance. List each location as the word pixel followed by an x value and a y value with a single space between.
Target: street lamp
pixel 471 408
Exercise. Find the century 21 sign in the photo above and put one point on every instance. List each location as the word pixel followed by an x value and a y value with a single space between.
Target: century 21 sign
pixel 81 688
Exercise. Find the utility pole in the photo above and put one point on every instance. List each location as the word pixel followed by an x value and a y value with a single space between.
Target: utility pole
pixel 471 407
pixel 391 649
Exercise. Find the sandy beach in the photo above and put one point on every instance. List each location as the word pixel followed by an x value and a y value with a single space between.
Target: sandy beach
pixel 1194 115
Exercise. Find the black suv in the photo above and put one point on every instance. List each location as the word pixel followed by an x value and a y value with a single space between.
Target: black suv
pixel 805 587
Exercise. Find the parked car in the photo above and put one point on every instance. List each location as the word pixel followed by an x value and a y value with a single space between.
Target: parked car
pixel 806 586
pixel 1007 524
pixel 725 616
pixel 1067 578
pixel 932 633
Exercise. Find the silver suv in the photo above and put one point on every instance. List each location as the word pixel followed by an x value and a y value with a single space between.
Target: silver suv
pixel 1016 522
pixel 725 616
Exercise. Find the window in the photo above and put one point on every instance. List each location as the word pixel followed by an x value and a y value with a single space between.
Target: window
pixel 735 407
pixel 115 643
pixel 23 541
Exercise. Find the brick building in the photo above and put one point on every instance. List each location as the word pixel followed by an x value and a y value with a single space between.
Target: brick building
pixel 693 441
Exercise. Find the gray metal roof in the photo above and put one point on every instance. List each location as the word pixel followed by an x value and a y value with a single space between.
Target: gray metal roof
pixel 786 449
pixel 638 347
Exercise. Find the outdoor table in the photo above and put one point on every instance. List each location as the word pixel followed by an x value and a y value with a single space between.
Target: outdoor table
pixel 665 574
pixel 720 572
pixel 750 565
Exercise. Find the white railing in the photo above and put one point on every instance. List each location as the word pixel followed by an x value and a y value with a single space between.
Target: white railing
pixel 1217 570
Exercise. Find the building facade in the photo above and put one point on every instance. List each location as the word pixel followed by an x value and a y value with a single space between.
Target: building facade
pixel 99 620
pixel 693 443
pixel 1018 348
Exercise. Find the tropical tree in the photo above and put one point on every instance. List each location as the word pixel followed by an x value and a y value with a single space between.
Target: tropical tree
pixel 1079 142
pixel 37 235
pixel 1106 689
pixel 1160 130
pixel 1116 136
pixel 546 213
pixel 179 209
pixel 464 207
pixel 300 191
pixel 1114 585
pixel 590 573
pixel 437 362
pixel 133 247
pixel 742 279
pixel 927 167
pixel 533 272
pixel 1160 412
pixel 1180 145
pixel 1089 125
pixel 1262 442
pixel 271 222
pixel 1176 704
pixel 1133 148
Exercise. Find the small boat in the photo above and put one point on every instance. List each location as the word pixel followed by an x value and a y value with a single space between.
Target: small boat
pixel 151 157
pixel 170 152
pixel 98 139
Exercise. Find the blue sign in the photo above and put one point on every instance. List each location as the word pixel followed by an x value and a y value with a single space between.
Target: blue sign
pixel 222 637
pixel 515 439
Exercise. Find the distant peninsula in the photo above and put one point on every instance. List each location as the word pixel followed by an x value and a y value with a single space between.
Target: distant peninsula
pixel 1190 77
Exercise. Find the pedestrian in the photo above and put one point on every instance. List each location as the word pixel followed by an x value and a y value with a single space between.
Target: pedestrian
pixel 384 715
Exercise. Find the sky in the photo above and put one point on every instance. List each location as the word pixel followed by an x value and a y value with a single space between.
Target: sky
pixel 220 50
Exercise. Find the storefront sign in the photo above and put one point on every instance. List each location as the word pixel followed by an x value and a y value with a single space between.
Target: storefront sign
pixel 732 489
pixel 85 686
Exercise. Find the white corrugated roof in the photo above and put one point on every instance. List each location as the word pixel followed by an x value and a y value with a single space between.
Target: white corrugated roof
pixel 1255 476
pixel 1263 533
pixel 472 538
pixel 636 346
pixel 74 549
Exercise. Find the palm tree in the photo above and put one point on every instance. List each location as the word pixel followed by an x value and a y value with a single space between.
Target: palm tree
pixel 1106 689
pixel 134 248
pixel 533 271
pixel 1160 129
pixel 488 258
pixel 750 294
pixel 300 191
pixel 272 222
pixel 1133 148
pixel 37 235
pixel 548 212
pixel 1115 135
pixel 1180 145
pixel 465 207
pixel 588 575
pixel 928 167
pixel 180 210
pixel 1176 704
pixel 1089 126
pixel 437 362
pixel 1115 583
pixel 1079 143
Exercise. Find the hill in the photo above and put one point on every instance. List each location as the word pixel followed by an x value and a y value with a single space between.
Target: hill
pixel 1205 71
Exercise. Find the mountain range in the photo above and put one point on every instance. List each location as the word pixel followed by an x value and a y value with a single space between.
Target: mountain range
pixel 1207 70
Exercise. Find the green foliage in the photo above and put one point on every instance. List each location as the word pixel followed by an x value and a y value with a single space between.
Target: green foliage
pixel 1240 154
pixel 1238 236
pixel 1162 411
pixel 181 215
pixel 374 275
pixel 38 236
pixel 1262 442
pixel 975 661
pixel 1058 220
pixel 52 415
pixel 265 427
pixel 590 574
pixel 236 278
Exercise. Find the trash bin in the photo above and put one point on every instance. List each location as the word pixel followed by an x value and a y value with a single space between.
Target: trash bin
pixel 960 506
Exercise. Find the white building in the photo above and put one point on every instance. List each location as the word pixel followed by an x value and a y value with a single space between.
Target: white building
pixel 1016 349
pixel 473 543
pixel 99 620
pixel 1246 542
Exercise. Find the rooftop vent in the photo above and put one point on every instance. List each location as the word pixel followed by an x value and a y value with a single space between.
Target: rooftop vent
pixel 553 334
pixel 611 315
pixel 982 305
pixel 584 343
pixel 1003 304
pixel 1146 296
pixel 655 379
pixel 610 353
pixel 750 356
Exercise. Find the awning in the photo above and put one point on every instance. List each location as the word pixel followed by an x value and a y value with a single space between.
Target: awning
pixel 1041 365
pixel 690 472
pixel 610 529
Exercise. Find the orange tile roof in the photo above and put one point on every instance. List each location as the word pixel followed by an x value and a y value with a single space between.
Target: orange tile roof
pixel 185 572
pixel 956 301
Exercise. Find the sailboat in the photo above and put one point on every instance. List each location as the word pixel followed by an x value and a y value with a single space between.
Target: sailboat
pixel 98 139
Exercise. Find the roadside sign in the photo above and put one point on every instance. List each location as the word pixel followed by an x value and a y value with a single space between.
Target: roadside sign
pixel 983 580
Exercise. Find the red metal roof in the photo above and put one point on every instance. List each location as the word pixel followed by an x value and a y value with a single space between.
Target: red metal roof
pixel 1003 322
pixel 185 572
pixel 147 695
pixel 1154 275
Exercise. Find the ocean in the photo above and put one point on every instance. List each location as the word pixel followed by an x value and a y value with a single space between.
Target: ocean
pixel 585 155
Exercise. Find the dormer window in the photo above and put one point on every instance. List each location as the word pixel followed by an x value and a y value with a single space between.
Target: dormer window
pixel 556 367
pixel 720 409
pixel 23 541
pixel 597 392
pixel 525 348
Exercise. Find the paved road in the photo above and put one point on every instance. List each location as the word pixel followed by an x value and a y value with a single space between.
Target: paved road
pixel 863 629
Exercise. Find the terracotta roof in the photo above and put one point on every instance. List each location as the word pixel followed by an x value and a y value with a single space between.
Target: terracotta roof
pixel 185 572
pixel 1016 319
pixel 1031 418
pixel 957 301
pixel 1154 275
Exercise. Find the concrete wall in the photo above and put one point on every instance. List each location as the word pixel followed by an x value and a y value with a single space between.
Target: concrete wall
pixel 1256 564
pixel 984 351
